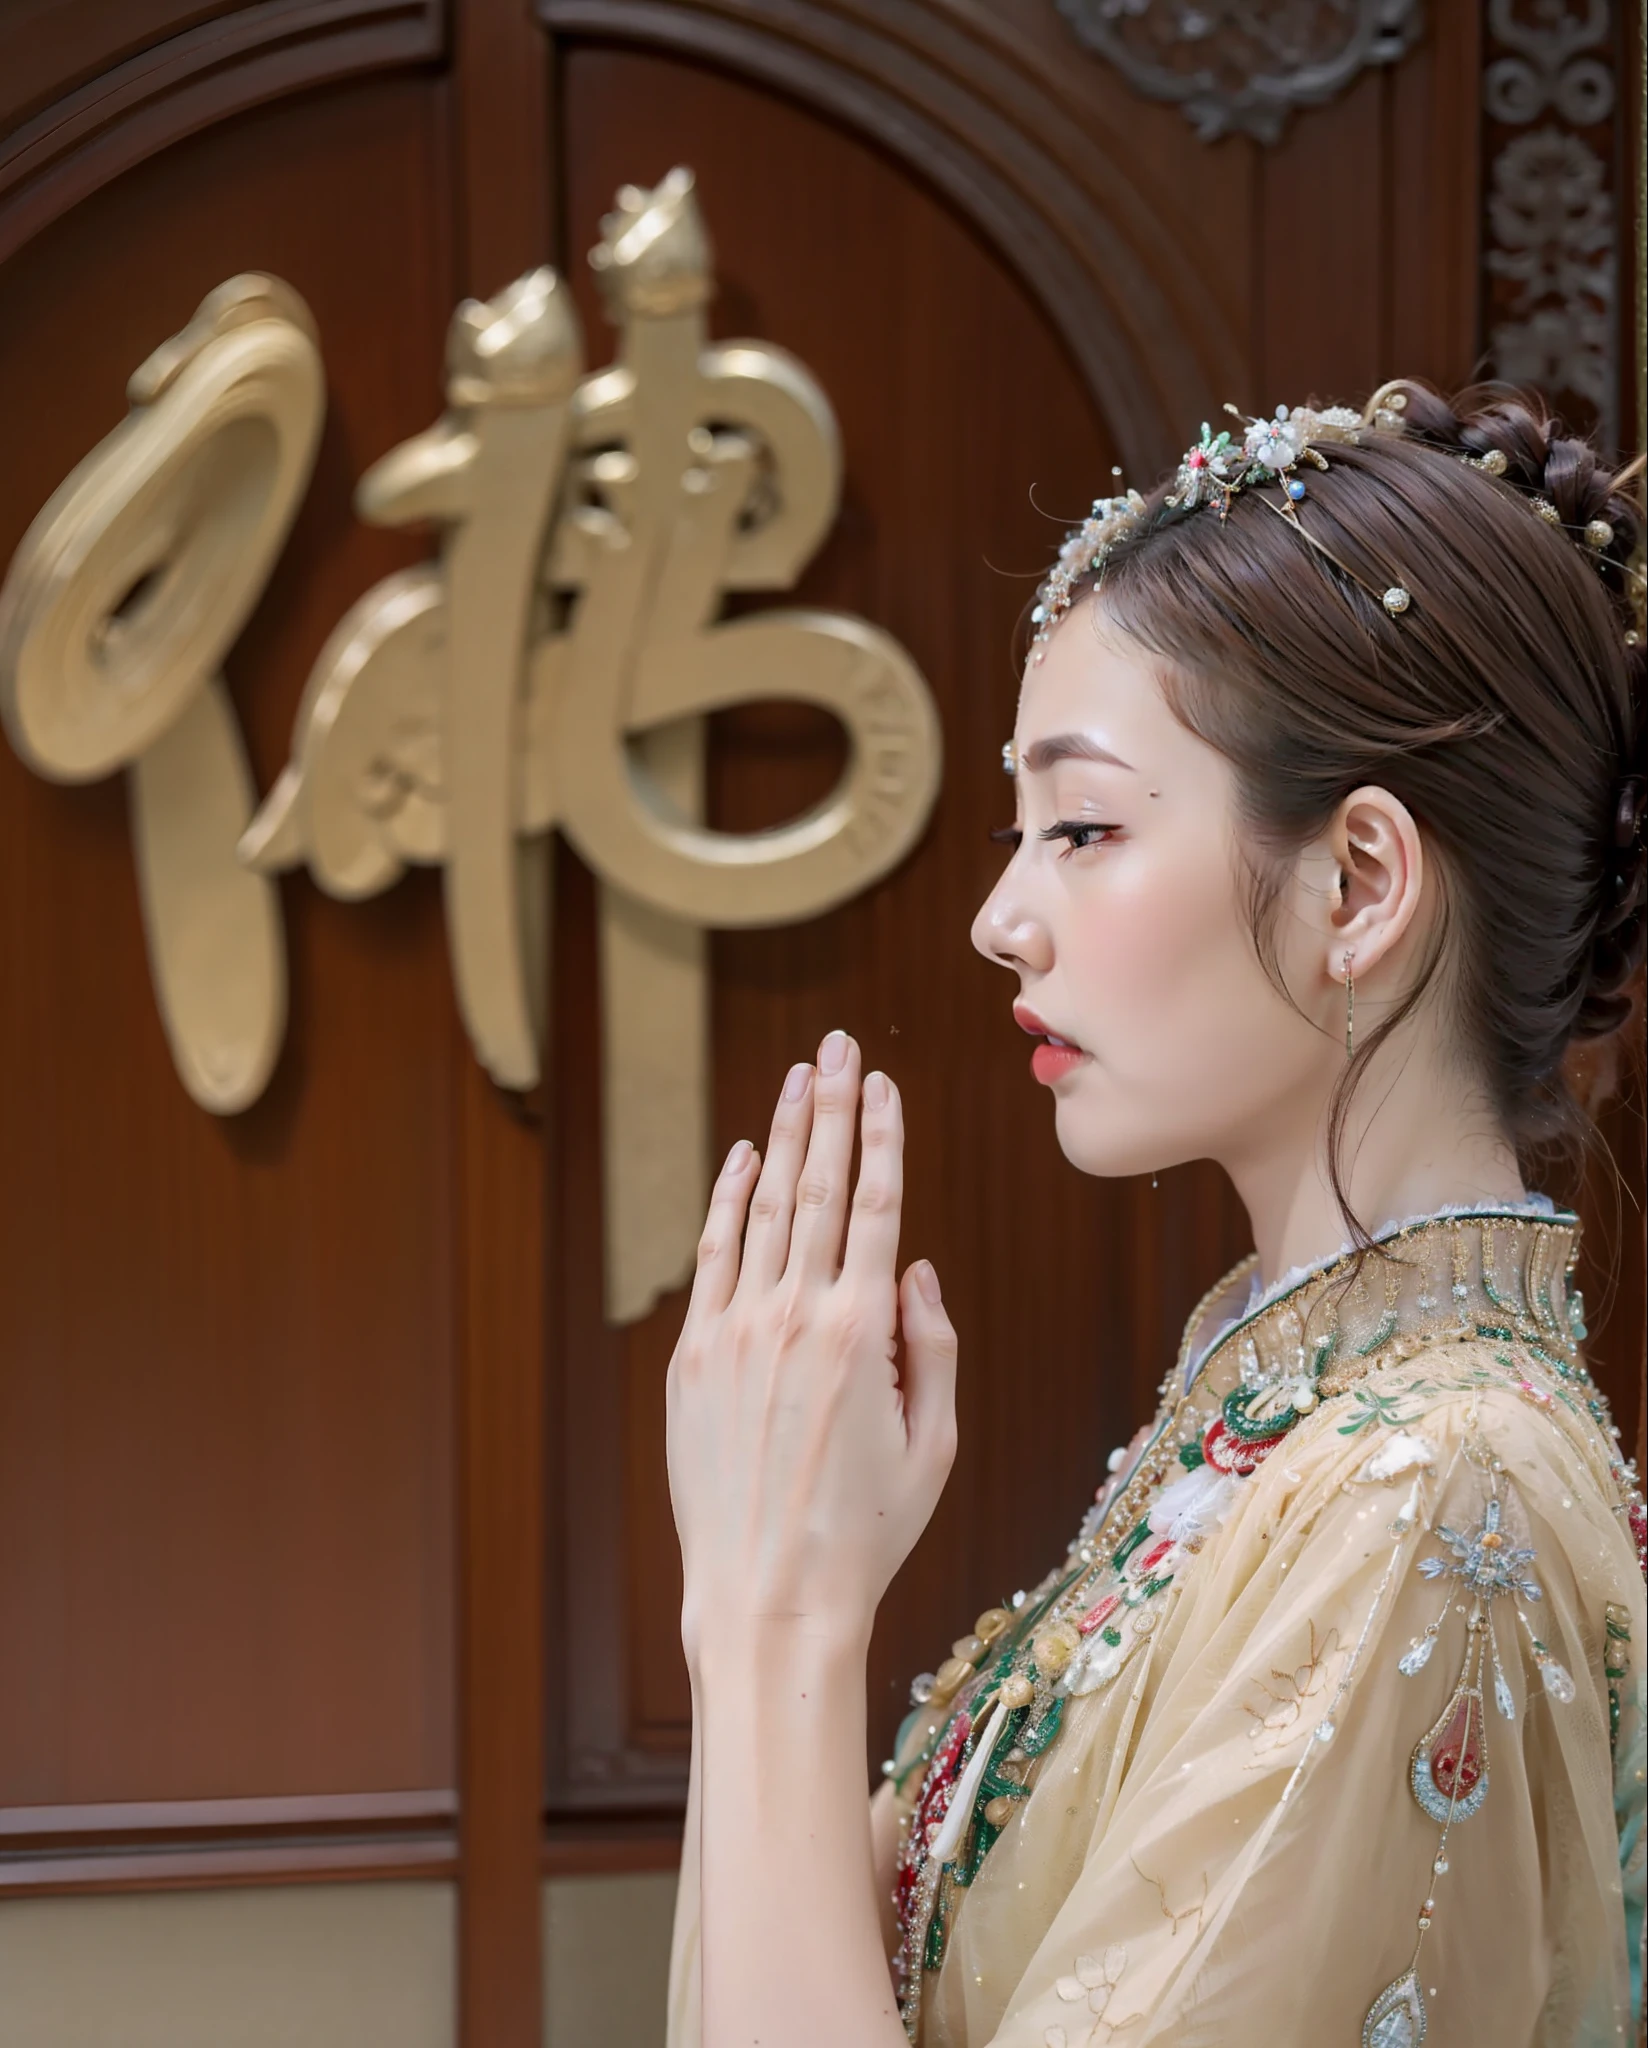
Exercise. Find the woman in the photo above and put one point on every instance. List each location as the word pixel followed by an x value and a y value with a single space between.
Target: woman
pixel 1330 786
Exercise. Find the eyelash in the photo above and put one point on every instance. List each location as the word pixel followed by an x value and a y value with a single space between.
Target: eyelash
pixel 1078 833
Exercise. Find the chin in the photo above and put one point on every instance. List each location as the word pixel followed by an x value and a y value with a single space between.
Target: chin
pixel 1092 1143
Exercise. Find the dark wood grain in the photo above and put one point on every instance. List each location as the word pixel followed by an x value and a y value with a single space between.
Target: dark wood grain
pixel 935 86
pixel 49 49
pixel 226 1421
pixel 173 84
pixel 502 201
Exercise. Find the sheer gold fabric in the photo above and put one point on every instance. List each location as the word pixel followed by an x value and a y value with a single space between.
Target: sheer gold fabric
pixel 1155 1886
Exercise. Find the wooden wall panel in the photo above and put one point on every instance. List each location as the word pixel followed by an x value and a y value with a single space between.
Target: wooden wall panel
pixel 956 403
pixel 226 1535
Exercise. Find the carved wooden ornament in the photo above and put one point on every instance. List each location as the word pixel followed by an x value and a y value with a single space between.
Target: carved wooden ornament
pixel 553 669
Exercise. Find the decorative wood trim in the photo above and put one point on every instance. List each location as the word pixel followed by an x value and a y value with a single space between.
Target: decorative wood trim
pixel 49 47
pixel 1553 182
pixel 998 130
pixel 615 1848
pixel 192 1869
pixel 501 1566
pixel 158 1845
pixel 502 196
pixel 191 81
pixel 102 1820
pixel 596 1763
pixel 501 78
pixel 1242 77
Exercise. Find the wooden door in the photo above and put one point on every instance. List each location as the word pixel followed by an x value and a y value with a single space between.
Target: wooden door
pixel 334 1539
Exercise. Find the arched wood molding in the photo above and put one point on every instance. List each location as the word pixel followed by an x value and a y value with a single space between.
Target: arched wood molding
pixel 191 81
pixel 990 123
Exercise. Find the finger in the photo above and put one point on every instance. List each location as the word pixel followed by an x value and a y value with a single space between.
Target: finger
pixel 717 1273
pixel 929 1367
pixel 772 1206
pixel 821 1192
pixel 872 1229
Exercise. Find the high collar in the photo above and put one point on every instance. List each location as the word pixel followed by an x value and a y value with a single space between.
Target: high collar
pixel 1495 1271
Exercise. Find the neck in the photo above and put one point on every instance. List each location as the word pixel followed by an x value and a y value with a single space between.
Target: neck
pixel 1414 1142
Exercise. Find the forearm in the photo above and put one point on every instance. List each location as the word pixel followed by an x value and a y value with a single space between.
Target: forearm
pixel 686 2024
pixel 792 1945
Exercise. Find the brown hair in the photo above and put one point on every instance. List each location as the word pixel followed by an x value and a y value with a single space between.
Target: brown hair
pixel 1504 708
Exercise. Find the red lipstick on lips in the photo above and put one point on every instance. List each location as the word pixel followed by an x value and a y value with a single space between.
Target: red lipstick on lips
pixel 1054 1057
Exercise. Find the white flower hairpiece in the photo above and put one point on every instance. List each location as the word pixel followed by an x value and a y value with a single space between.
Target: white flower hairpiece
pixel 1209 476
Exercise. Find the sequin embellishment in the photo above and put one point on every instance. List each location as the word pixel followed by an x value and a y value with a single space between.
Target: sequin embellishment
pixel 1448 1774
pixel 1397 2016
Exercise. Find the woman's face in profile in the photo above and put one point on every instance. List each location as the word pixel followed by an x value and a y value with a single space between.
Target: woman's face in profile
pixel 1123 911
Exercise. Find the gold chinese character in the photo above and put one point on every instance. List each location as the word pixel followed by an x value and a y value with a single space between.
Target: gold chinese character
pixel 117 611
pixel 554 670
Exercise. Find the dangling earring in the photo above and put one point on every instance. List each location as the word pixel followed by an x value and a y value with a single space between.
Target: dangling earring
pixel 1350 1008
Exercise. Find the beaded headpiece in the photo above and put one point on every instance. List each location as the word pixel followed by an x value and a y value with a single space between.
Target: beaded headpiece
pixel 1220 466
pixel 1210 474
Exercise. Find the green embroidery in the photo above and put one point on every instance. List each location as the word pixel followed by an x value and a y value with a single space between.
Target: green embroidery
pixel 1130 1543
pixel 1034 1740
pixel 1616 1666
pixel 1248 1429
pixel 1372 1406
pixel 1192 1455
pixel 932 1954
pixel 1148 1591
pixel 1014 1733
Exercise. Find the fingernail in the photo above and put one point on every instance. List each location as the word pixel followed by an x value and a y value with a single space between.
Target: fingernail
pixel 876 1091
pixel 795 1081
pixel 832 1054
pixel 927 1281
pixel 738 1157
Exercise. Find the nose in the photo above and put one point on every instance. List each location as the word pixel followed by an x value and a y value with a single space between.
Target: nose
pixel 1007 931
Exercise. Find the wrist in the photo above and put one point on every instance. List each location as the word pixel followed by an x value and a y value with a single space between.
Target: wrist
pixel 766 1654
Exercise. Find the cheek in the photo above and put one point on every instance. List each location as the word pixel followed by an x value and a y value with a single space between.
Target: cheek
pixel 1155 937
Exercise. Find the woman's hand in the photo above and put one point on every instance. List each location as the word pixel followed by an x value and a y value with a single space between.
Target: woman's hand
pixel 802 1467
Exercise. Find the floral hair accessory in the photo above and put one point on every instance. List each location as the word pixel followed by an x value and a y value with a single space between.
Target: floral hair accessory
pixel 1210 474
pixel 1269 452
pixel 1084 549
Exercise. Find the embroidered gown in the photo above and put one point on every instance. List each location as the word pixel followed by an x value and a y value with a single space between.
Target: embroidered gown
pixel 1329 1728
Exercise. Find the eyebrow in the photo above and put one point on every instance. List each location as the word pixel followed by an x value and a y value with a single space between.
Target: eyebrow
pixel 1069 746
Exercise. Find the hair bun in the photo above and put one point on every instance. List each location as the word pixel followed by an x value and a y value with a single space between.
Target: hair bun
pixel 1515 438
pixel 1620 939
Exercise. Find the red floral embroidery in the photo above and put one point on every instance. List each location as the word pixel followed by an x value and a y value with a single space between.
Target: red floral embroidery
pixel 1096 1617
pixel 1228 1453
pixel 1145 1560
pixel 934 1803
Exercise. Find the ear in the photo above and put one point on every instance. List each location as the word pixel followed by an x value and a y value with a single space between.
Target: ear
pixel 1379 882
